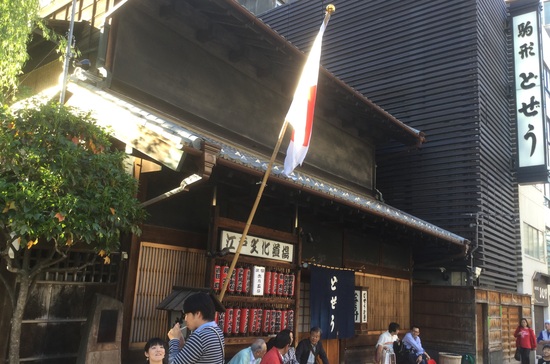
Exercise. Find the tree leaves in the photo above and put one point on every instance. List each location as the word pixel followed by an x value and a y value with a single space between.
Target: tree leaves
pixel 61 181
pixel 17 20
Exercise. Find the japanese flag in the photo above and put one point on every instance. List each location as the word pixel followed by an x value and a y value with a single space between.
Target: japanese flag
pixel 300 113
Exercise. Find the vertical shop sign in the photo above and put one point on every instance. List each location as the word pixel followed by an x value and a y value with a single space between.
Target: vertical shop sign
pixel 357 307
pixel 364 318
pixel 530 114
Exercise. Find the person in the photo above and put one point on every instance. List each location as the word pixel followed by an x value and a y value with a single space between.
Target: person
pixel 412 343
pixel 279 349
pixel 525 340
pixel 545 355
pixel 206 343
pixel 290 356
pixel 309 349
pixel 384 346
pixel 155 350
pixel 250 355
pixel 544 335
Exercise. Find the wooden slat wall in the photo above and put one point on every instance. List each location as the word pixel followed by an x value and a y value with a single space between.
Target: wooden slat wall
pixel 160 268
pixel 442 67
pixel 447 318
pixel 388 301
pixel 504 310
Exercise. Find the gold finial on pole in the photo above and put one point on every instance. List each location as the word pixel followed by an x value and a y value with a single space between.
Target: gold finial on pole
pixel 329 10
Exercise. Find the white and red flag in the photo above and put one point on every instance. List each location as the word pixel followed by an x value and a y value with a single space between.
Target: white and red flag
pixel 300 113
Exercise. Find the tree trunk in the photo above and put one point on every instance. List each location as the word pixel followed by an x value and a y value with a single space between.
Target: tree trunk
pixel 17 318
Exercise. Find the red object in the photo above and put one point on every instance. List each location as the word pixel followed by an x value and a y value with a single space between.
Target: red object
pixel 300 113
pixel 236 320
pixel 221 321
pixel 280 284
pixel 278 320
pixel 431 361
pixel 223 276
pixel 284 318
pixel 228 321
pixel 274 282
pixel 272 321
pixel 266 321
pixel 216 278
pixel 290 319
pixel 267 282
pixel 245 316
pixel 252 321
pixel 291 284
pixel 231 286
pixel 240 276
pixel 259 321
pixel 246 281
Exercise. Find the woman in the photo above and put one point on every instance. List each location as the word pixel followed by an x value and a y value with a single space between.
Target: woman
pixel 290 356
pixel 155 350
pixel 525 340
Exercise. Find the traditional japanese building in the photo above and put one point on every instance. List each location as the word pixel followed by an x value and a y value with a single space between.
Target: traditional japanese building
pixel 196 92
pixel 453 70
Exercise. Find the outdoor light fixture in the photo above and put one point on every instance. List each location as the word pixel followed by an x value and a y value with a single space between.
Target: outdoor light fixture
pixel 182 187
pixel 221 253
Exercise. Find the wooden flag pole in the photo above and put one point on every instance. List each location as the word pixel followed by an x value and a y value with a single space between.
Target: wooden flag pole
pixel 253 211
pixel 329 10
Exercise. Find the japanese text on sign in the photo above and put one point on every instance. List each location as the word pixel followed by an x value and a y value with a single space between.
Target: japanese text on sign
pixel 257 247
pixel 529 111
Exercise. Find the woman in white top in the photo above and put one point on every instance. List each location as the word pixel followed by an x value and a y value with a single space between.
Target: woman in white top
pixel 384 346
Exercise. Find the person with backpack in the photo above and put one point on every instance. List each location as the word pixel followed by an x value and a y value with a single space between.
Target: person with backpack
pixel 384 347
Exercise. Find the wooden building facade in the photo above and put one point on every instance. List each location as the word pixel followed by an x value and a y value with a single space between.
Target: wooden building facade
pixel 446 69
pixel 200 87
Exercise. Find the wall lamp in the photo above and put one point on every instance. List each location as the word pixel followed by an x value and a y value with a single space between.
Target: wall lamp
pixel 221 253
pixel 182 187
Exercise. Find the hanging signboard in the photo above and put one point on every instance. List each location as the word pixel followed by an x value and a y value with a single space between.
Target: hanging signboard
pixel 529 107
pixel 257 247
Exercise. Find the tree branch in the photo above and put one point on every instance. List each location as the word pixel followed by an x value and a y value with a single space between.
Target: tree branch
pixel 9 289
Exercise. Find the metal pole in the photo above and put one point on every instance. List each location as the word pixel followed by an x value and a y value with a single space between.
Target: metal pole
pixel 68 56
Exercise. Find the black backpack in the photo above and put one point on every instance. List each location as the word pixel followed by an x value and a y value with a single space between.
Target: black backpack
pixel 401 352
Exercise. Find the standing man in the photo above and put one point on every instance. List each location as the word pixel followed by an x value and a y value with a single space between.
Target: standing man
pixel 310 348
pixel 251 355
pixel 276 353
pixel 544 335
pixel 412 342
pixel 384 346
pixel 206 343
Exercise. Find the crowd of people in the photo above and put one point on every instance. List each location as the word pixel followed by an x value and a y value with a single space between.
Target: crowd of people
pixel 206 343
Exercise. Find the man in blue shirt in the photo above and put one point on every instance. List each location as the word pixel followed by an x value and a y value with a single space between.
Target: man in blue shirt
pixel 412 342
pixel 251 355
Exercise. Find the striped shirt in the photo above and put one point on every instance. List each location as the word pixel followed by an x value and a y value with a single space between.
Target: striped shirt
pixel 204 346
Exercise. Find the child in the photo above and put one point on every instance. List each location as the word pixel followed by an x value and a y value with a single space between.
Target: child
pixel 545 355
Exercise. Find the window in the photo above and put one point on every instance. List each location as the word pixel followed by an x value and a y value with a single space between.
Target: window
pixel 533 242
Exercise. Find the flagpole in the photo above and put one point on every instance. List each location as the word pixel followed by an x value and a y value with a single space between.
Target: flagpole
pixel 329 10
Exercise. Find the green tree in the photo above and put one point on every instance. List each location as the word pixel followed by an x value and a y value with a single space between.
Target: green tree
pixel 61 184
pixel 17 21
